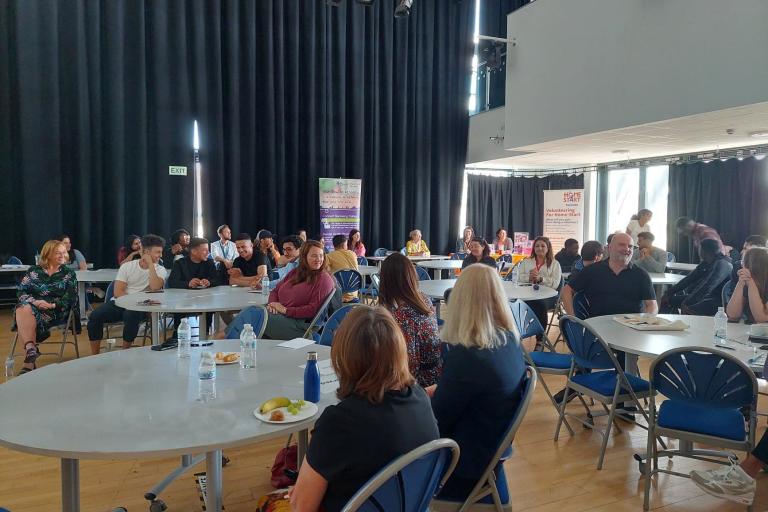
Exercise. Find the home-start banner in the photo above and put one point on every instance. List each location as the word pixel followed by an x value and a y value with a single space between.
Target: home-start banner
pixel 563 216
pixel 339 207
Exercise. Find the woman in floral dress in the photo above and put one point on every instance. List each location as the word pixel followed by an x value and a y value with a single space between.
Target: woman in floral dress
pixel 46 294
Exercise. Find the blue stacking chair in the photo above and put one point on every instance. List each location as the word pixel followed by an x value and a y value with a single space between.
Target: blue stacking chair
pixel 607 383
pixel 403 252
pixel 350 280
pixel 581 306
pixel 491 490
pixel 334 321
pixel 708 394
pixel 255 315
pixel 408 483
pixel 459 256
pixel 319 320
pixel 380 252
pixel 362 261
pixel 422 274
pixel 13 260
pixel 550 363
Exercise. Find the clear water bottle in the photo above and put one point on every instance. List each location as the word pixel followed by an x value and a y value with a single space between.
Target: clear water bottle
pixel 312 379
pixel 515 275
pixel 184 338
pixel 265 285
pixel 247 347
pixel 206 374
pixel 9 368
pixel 721 327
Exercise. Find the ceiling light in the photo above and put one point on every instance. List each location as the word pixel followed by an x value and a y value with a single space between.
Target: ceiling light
pixel 759 134
pixel 620 151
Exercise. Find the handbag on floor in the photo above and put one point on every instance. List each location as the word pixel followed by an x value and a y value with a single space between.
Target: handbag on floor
pixel 284 470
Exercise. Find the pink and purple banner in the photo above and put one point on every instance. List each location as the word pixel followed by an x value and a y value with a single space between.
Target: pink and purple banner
pixel 339 207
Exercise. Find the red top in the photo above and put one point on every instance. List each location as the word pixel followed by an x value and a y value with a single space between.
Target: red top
pixel 302 300
pixel 704 232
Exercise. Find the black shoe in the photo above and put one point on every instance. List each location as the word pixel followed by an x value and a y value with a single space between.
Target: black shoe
pixel 560 394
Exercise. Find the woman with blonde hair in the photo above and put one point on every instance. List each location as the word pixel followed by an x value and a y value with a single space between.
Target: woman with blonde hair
pixel 415 246
pixel 45 296
pixel 483 372
pixel 382 413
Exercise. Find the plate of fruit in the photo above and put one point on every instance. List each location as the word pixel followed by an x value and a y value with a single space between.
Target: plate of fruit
pixel 284 410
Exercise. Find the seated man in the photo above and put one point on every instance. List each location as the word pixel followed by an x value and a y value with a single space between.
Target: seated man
pixel 179 246
pixel 568 255
pixel 267 247
pixel 223 250
pixel 591 252
pixel 699 293
pixel 647 257
pixel 250 266
pixel 290 258
pixel 195 270
pixel 133 277
pixel 342 258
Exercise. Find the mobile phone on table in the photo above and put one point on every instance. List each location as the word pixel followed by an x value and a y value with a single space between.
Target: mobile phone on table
pixel 168 345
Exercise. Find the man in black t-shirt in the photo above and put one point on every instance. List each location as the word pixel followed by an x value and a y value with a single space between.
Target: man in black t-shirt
pixel 194 270
pixel 249 267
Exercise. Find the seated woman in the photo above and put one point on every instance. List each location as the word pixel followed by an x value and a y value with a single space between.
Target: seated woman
pixel 298 297
pixel 462 244
pixel 76 258
pixel 750 297
pixel 503 243
pixel 382 413
pixel 541 268
pixel 130 251
pixel 46 294
pixel 479 252
pixel 415 246
pixel 480 388
pixel 413 312
pixel 356 244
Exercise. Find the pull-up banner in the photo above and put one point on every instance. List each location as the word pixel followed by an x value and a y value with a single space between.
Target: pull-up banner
pixel 339 207
pixel 563 216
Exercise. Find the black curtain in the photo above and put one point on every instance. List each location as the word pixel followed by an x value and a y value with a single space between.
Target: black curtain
pixel 97 99
pixel 516 203
pixel 728 195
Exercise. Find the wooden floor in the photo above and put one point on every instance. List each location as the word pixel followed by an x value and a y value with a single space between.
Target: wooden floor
pixel 543 475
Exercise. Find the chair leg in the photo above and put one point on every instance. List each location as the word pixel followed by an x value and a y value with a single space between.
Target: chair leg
pixel 13 346
pixel 650 464
pixel 557 406
pixel 561 416
pixel 607 433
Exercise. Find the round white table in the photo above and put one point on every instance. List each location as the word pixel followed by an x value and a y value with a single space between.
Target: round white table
pixel 435 289
pixel 14 269
pixel 368 270
pixel 665 279
pixel 379 259
pixel 439 265
pixel 682 267
pixel 205 300
pixel 138 403
pixel 104 275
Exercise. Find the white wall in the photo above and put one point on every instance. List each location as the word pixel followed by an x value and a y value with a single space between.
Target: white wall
pixel 482 126
pixel 584 66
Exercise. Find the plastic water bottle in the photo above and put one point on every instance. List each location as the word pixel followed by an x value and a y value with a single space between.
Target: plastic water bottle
pixel 265 285
pixel 9 368
pixel 247 347
pixel 184 338
pixel 514 275
pixel 312 379
pixel 721 327
pixel 206 374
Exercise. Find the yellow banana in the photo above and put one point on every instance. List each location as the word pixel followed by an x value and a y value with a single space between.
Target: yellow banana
pixel 274 403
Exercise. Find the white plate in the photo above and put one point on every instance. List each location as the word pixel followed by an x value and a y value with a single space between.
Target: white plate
pixel 307 411
pixel 222 362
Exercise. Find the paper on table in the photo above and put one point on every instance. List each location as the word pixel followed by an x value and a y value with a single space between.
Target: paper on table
pixel 650 323
pixel 296 343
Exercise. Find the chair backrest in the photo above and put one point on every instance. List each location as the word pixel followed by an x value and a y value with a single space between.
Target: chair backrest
pixel 508 277
pixel 506 258
pixel 255 315
pixel 109 293
pixel 726 293
pixel 375 281
pixel 333 323
pixel 528 387
pixel 670 257
pixel 362 261
pixel 422 273
pixel 580 306
pixel 447 294
pixel 274 276
pixel 320 317
pixel 380 252
pixel 13 260
pixel 589 350
pixel 349 280
pixel 704 375
pixel 408 483
pixel 403 251
pixel 525 319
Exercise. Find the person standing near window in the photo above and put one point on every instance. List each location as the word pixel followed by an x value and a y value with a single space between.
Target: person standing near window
pixel 639 224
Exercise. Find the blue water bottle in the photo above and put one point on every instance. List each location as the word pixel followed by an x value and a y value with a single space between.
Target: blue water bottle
pixel 312 379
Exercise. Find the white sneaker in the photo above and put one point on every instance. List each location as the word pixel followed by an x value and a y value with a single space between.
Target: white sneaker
pixel 729 482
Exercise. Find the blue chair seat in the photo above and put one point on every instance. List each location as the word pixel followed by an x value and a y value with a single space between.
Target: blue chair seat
pixel 702 419
pixel 552 360
pixel 604 382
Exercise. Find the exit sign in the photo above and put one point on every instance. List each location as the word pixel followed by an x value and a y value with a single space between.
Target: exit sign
pixel 177 170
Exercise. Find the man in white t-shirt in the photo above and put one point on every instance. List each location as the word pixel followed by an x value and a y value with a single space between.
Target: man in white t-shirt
pixel 133 277
pixel 223 250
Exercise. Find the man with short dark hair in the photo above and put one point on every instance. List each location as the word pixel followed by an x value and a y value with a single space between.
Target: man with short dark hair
pixel 223 250
pixel 250 267
pixel 134 276
pixel 699 232
pixel 195 270
pixel 700 291
pixel 267 247
pixel 591 252
pixel 568 255
pixel 342 258
pixel 646 256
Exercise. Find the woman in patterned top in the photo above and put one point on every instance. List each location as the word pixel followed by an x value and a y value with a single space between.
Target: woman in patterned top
pixel 46 294
pixel 413 312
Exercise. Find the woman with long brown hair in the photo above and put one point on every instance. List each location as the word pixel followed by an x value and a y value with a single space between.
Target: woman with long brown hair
pixel 298 297
pixel 46 294
pixel 750 296
pixel 413 312
pixel 541 268
pixel 381 413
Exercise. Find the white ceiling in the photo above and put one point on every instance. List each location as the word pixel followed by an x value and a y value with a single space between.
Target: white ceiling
pixel 691 134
